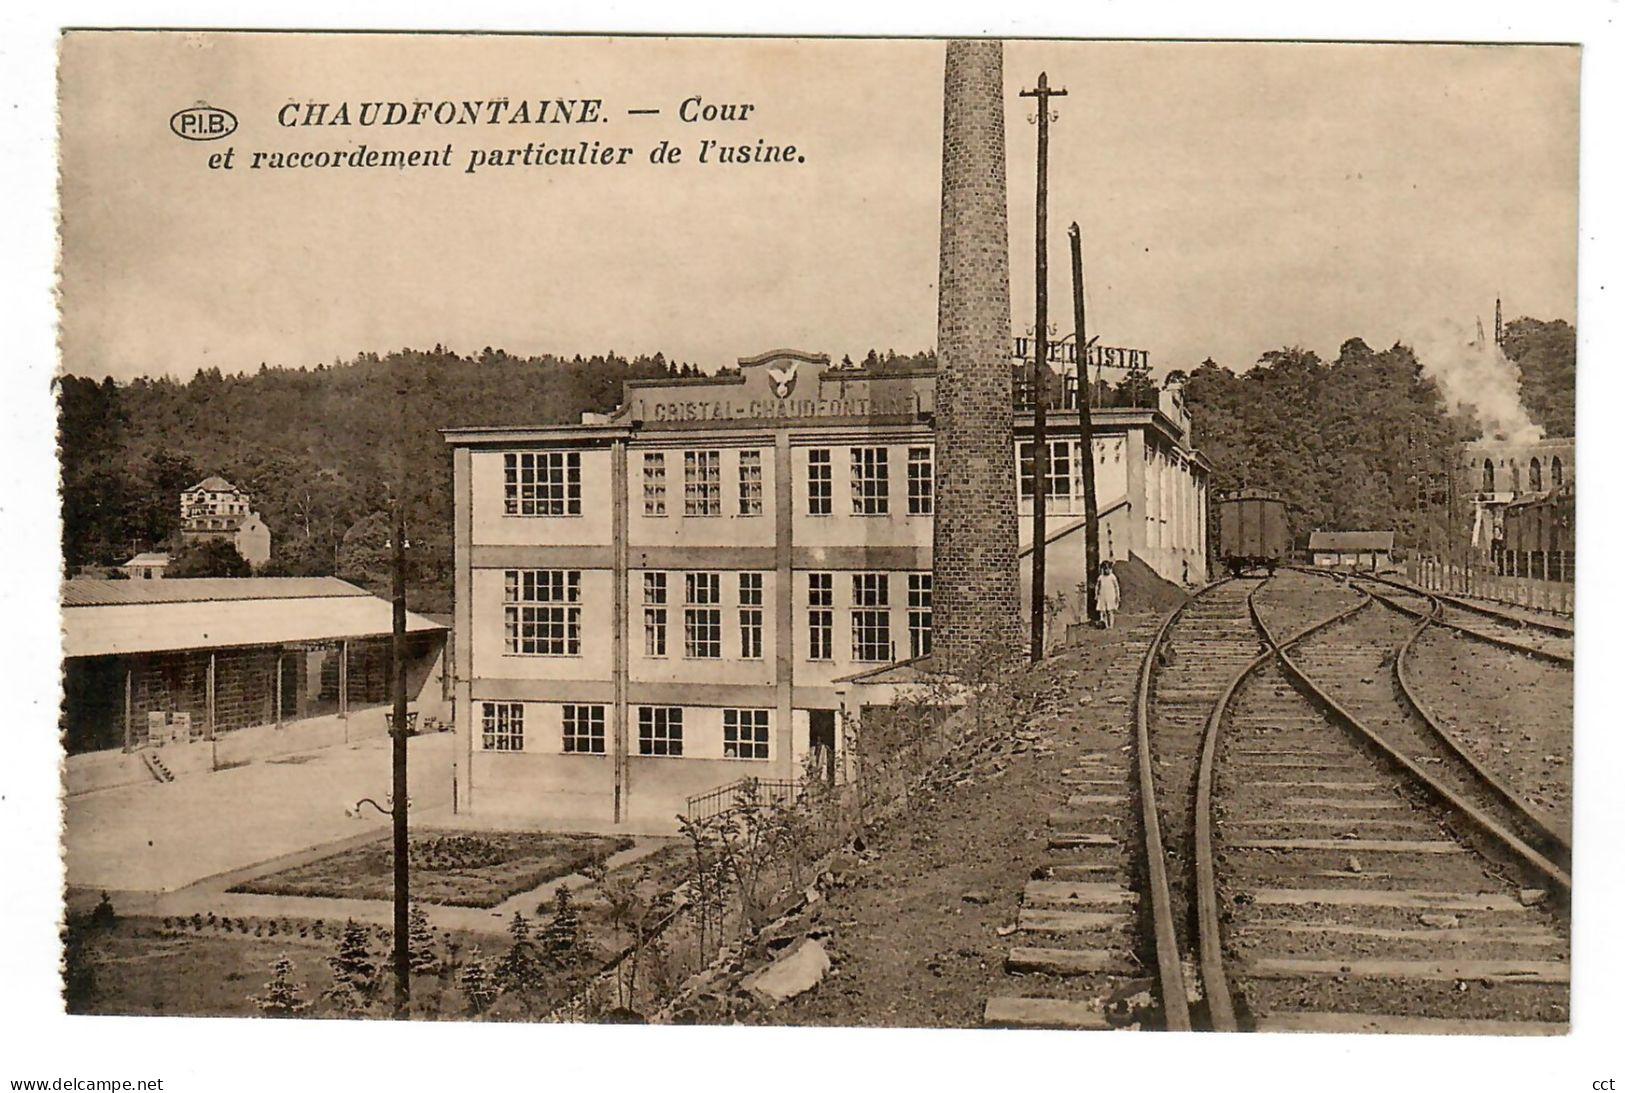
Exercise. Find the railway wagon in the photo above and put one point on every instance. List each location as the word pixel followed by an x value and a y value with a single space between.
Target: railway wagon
pixel 1253 531
pixel 1538 537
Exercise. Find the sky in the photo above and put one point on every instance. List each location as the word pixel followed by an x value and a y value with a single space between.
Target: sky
pixel 1233 198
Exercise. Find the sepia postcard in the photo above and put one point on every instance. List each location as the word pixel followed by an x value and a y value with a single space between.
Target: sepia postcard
pixel 913 533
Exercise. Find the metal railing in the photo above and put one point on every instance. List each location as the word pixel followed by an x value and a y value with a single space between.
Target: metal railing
pixel 744 793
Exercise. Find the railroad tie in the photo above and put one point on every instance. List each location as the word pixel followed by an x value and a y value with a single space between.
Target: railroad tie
pixel 1044 1013
pixel 1496 971
pixel 1080 840
pixel 1405 1025
pixel 1028 960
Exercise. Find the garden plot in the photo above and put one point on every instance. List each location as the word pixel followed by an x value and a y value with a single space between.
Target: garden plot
pixel 452 868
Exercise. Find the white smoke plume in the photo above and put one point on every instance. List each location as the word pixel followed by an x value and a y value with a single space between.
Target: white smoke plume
pixel 1473 374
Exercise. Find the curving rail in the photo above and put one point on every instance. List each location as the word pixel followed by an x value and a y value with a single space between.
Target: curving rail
pixel 1542 863
pixel 1170 974
pixel 1546 854
pixel 1556 844
pixel 1436 618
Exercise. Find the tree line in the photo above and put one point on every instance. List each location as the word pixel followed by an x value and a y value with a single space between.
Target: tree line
pixel 317 447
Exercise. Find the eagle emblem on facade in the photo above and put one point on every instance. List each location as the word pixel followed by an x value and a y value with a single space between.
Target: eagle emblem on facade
pixel 783 381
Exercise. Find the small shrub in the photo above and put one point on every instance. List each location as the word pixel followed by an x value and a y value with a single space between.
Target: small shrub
pixel 78 973
pixel 354 970
pixel 420 941
pixel 282 997
pixel 561 941
pixel 522 972
pixel 479 989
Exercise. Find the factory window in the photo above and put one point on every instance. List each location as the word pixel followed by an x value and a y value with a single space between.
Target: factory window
pixel 750 483
pixel 1534 474
pixel 744 734
pixel 541 612
pixel 871 617
pixel 869 494
pixel 819 472
pixel 502 726
pixel 750 616
pixel 702 617
pixel 654 614
pixel 1557 472
pixel 541 483
pixel 660 730
pixel 919 482
pixel 1059 478
pixel 584 730
pixel 654 483
pixel 919 614
pixel 820 616
pixel 1489 476
pixel 702 483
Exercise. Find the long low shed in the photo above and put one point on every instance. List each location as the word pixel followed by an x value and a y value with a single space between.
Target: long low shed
pixel 270 664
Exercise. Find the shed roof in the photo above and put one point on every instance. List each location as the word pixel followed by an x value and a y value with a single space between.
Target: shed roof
pixel 147 557
pixel 88 591
pixel 1351 540
pixel 139 617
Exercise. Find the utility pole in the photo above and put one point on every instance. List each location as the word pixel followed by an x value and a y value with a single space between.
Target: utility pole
pixel 402 955
pixel 1086 432
pixel 1043 94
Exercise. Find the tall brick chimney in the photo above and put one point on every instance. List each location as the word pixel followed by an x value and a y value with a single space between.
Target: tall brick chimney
pixel 976 597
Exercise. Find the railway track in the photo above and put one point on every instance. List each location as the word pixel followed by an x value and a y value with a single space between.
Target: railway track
pixel 1332 865
pixel 1543 640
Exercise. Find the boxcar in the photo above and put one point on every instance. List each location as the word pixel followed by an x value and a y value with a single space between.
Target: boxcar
pixel 1253 531
pixel 1538 537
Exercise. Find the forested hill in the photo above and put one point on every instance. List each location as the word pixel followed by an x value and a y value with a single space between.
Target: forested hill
pixel 1361 441
pixel 315 446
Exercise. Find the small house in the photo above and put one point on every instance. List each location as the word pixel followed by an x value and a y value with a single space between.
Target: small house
pixel 1371 550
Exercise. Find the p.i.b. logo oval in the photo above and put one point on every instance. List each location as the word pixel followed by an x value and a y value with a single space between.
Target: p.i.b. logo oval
pixel 202 122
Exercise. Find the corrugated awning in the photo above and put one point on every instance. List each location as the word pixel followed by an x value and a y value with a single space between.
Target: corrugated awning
pixel 124 628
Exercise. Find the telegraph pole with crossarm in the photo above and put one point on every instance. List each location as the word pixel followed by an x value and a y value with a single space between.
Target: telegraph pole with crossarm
pixel 1043 93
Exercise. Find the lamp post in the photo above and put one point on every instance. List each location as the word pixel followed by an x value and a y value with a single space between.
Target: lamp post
pixel 398 730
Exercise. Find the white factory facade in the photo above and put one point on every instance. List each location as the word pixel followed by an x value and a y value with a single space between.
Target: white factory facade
pixel 663 600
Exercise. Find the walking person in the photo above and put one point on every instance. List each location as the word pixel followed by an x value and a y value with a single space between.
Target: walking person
pixel 1108 595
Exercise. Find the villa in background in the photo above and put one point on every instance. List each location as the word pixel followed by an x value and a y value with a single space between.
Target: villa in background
pixel 662 600
pixel 215 509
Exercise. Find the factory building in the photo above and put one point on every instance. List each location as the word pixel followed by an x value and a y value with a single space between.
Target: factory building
pixel 1497 474
pixel 663 600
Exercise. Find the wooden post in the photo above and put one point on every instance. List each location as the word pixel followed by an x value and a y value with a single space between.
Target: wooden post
pixel 398 781
pixel 129 708
pixel 1086 432
pixel 277 696
pixel 1040 371
pixel 344 686
pixel 214 750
